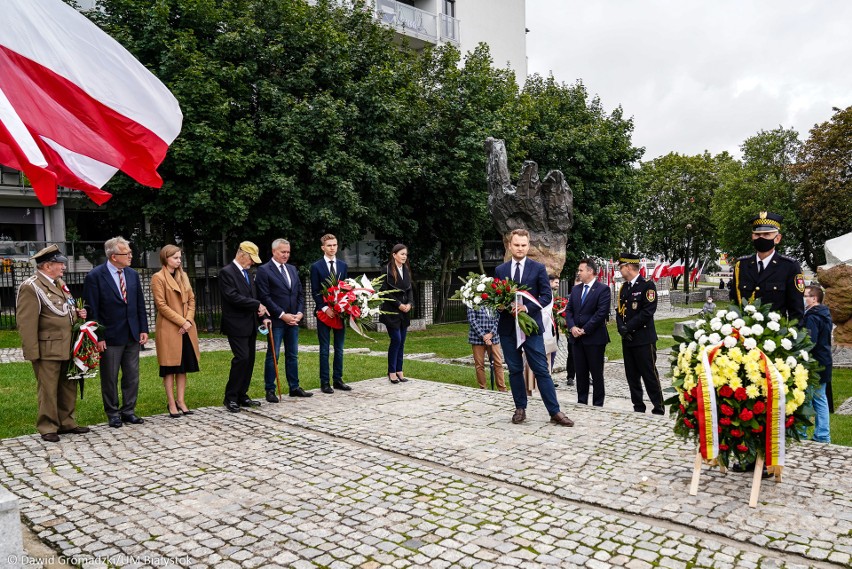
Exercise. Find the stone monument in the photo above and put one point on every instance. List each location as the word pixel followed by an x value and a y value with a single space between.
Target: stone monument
pixel 545 208
pixel 836 278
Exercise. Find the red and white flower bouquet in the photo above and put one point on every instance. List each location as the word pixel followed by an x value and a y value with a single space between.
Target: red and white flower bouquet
pixel 356 300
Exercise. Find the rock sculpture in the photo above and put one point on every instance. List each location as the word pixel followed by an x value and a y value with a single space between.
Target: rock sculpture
pixel 836 278
pixel 545 208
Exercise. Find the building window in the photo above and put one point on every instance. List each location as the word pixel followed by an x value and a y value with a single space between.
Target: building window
pixel 450 8
pixel 21 224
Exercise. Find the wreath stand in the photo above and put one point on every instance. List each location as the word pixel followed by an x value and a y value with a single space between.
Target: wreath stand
pixel 755 481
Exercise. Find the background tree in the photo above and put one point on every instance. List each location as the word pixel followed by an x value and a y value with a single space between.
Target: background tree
pixel 672 210
pixel 824 192
pixel 763 181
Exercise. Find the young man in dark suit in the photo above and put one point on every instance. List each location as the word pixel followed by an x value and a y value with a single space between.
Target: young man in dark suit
pixel 534 275
pixel 280 290
pixel 320 271
pixel 588 311
pixel 241 311
pixel 113 297
pixel 637 303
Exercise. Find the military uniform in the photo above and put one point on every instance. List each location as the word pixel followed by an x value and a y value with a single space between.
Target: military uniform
pixel 781 284
pixel 45 320
pixel 637 304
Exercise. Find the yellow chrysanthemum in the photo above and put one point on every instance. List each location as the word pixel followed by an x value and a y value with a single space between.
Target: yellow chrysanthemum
pixel 801 383
pixel 736 354
pixel 798 396
pixel 753 391
pixel 735 383
pixel 791 407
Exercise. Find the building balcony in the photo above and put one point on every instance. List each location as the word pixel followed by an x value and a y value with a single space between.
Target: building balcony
pixel 418 24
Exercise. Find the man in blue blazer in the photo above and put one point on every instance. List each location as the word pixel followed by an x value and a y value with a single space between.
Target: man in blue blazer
pixel 588 311
pixel 113 297
pixel 534 275
pixel 280 290
pixel 320 271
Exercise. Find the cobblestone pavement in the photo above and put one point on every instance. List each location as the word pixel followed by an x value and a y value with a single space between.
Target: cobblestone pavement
pixel 418 475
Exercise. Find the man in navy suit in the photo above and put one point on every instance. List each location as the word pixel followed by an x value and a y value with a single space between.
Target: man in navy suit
pixel 588 311
pixel 113 297
pixel 527 272
pixel 240 313
pixel 280 290
pixel 320 271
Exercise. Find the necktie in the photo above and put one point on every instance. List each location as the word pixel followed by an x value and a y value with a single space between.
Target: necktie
pixel 121 285
pixel 331 267
pixel 286 274
pixel 245 274
pixel 517 277
pixel 585 292
pixel 759 267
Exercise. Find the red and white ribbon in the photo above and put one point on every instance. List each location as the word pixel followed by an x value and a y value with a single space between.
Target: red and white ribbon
pixel 520 337
pixel 87 330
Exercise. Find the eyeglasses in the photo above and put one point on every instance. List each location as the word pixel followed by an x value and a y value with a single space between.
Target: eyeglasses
pixel 122 254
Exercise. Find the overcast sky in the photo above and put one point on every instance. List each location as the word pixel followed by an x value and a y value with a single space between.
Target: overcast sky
pixel 700 75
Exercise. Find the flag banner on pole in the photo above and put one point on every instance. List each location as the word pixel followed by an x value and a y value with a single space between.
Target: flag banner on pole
pixel 75 106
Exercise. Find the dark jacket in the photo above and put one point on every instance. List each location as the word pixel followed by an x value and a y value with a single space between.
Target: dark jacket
pixel 276 295
pixel 590 315
pixel 124 321
pixel 320 274
pixel 781 284
pixel 396 319
pixel 535 277
pixel 819 325
pixel 635 318
pixel 239 302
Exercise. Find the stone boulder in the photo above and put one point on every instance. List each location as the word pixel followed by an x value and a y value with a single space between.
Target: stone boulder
pixel 837 282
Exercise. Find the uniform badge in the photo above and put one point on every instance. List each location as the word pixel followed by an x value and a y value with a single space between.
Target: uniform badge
pixel 800 282
pixel 635 305
pixel 651 295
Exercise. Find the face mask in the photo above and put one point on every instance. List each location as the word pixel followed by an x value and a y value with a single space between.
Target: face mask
pixel 763 245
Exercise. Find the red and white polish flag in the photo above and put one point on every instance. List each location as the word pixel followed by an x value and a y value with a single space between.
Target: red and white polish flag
pixel 75 106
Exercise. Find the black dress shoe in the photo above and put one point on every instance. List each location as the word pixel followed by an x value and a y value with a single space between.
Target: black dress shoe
pixel 132 419
pixel 50 437
pixel 75 431
pixel 342 386
pixel 232 406
pixel 173 415
pixel 115 422
pixel 271 397
pixel 327 389
pixel 299 392
pixel 249 403
pixel 184 411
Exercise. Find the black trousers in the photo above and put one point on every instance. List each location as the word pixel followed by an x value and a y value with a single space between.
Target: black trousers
pixel 640 365
pixel 589 360
pixel 242 365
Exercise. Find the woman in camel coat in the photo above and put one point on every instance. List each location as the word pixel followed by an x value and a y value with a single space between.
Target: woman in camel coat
pixel 177 336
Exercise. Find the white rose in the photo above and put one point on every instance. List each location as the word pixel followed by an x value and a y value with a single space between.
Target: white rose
pixel 745 331
pixel 477 300
pixel 703 340
pixel 715 324
pixel 730 341
pixel 794 334
pixel 731 316
pixel 692 346
pixel 786 344
pixel 791 361
pixel 698 334
pixel 714 338
pixel 804 355
pixel 738 323
pixel 721 313
pixel 758 316
pixel 774 326
pixel 774 316
pixel 480 288
pixel 750 343
pixel 727 329
pixel 750 308
pixel 757 329
pixel 769 346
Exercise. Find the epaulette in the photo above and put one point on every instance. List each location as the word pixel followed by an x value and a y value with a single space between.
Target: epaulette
pixel 745 257
pixel 786 257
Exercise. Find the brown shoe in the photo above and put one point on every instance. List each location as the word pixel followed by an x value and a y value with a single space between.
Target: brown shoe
pixel 561 419
pixel 520 416
pixel 50 437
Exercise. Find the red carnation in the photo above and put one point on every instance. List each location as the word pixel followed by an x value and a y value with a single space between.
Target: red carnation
pixel 759 408
pixel 736 433
pixel 789 422
pixel 687 396
pixel 484 296
pixel 723 446
pixel 726 391
pixel 682 409
pixel 757 429
pixel 742 448
pixel 746 415
pixel 724 421
pixel 740 394
pixel 688 423
pixel 727 410
pixel 694 391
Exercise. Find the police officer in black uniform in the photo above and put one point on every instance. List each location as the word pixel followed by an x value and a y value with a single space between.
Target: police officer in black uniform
pixel 768 275
pixel 637 303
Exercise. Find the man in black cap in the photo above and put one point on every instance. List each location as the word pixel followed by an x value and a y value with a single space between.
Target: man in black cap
pixel 768 275
pixel 637 303
pixel 45 315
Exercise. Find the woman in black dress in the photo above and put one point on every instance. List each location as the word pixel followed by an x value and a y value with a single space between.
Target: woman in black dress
pixel 398 309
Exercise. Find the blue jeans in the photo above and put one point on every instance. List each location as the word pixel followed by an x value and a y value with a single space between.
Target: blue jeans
pixel 290 337
pixel 396 349
pixel 822 433
pixel 324 335
pixel 533 348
